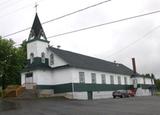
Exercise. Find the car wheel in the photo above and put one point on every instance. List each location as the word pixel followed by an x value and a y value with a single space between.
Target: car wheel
pixel 114 97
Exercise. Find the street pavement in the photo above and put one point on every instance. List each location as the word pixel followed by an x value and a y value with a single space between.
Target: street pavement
pixel 149 105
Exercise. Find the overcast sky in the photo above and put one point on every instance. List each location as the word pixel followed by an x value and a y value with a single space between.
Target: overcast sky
pixel 120 41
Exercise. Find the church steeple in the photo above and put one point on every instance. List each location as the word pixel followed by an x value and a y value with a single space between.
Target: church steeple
pixel 37 32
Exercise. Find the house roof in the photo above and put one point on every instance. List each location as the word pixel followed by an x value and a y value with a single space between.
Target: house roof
pixel 91 63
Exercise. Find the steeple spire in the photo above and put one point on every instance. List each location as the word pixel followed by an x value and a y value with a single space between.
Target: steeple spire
pixel 37 32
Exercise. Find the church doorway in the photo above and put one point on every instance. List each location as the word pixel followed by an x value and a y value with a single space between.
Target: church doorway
pixel 29 80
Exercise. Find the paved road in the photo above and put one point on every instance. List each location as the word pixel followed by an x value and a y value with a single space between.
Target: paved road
pixel 127 106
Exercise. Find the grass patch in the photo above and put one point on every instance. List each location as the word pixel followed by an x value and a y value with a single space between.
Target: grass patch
pixel 157 93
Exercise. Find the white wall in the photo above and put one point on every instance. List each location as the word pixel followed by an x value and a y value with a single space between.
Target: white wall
pixel 57 60
pixel 102 94
pixel 140 80
pixel 148 81
pixel 143 92
pixel 47 77
pixel 54 77
pixel 75 74
pixel 43 77
pixel 22 78
pixel 80 95
pixel 36 47
pixel 62 76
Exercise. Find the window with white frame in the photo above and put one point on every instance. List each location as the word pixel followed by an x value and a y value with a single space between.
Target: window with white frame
pixel 51 59
pixel 93 75
pixel 43 57
pixel 112 79
pixel 103 77
pixel 125 80
pixel 81 77
pixel 31 58
pixel 119 80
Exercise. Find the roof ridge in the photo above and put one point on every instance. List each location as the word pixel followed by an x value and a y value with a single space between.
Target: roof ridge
pixel 84 55
pixel 87 62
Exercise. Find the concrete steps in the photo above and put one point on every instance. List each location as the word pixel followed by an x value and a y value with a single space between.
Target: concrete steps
pixel 28 94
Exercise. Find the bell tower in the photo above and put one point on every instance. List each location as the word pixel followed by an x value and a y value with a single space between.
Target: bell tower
pixel 37 43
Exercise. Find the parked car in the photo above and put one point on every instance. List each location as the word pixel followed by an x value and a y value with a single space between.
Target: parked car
pixel 131 93
pixel 120 93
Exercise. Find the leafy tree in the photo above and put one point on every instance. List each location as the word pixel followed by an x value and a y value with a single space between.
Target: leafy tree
pixel 157 83
pixel 12 61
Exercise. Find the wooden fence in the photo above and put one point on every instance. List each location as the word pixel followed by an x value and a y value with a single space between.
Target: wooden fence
pixel 13 91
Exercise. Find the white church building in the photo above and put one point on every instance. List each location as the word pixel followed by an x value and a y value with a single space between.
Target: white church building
pixel 56 72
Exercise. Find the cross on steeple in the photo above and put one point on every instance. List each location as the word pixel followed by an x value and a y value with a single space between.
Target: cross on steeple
pixel 36 5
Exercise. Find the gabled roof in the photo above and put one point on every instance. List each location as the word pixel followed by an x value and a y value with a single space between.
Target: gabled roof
pixel 86 62
pixel 37 32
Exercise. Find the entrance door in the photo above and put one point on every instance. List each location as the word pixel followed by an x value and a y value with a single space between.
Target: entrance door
pixel 29 81
pixel 90 95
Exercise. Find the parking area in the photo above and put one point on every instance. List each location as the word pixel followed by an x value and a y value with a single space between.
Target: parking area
pixel 148 105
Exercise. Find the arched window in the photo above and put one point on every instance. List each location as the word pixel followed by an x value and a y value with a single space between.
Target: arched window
pixel 31 58
pixel 43 57
pixel 52 59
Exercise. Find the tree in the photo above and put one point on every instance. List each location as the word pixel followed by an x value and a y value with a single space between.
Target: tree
pixel 12 61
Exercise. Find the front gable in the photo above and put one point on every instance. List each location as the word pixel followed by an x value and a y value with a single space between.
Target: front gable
pixel 57 62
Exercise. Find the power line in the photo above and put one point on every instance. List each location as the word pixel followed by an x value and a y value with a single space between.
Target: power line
pixel 103 24
pixel 134 42
pixel 90 27
pixel 77 11
pixel 29 5
pixel 19 9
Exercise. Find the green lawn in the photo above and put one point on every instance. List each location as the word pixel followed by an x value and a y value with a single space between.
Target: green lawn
pixel 158 93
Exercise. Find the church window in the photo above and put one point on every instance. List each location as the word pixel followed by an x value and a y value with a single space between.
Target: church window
pixel 31 58
pixel 119 80
pixel 125 80
pixel 51 59
pixel 93 75
pixel 103 78
pixel 112 79
pixel 43 57
pixel 81 77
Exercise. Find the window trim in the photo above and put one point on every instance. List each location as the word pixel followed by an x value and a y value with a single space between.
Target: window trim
pixel 125 81
pixel 43 57
pixel 103 78
pixel 111 79
pixel 31 58
pixel 93 78
pixel 51 59
pixel 81 77
pixel 119 80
